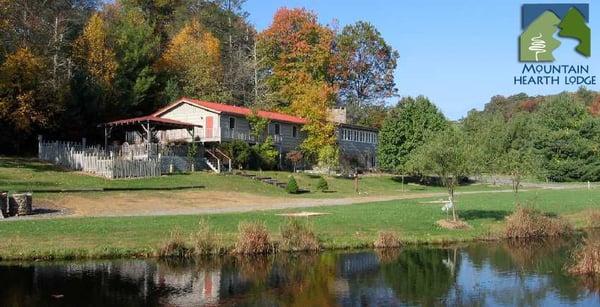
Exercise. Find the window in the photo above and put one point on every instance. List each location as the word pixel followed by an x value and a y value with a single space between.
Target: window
pixel 232 123
pixel 276 129
pixel 294 131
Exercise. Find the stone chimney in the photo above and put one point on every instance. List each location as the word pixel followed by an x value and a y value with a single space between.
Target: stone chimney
pixel 338 115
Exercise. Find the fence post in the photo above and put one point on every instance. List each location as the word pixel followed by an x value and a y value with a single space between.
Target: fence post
pixel 83 142
pixel 40 139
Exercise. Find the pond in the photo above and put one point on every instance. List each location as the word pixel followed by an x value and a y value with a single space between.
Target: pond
pixel 489 274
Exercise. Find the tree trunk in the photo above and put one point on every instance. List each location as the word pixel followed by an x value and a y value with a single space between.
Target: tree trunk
pixel 451 192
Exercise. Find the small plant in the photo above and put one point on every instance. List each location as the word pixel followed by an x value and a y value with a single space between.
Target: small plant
pixel 586 259
pixel 174 247
pixel 322 184
pixel 253 238
pixel 292 186
pixel 298 236
pixel 387 239
pixel 204 240
pixel 526 223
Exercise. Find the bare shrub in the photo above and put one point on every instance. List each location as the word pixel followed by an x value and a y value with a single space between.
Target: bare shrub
pixel 174 246
pixel 526 223
pixel 298 236
pixel 253 238
pixel 586 259
pixel 204 241
pixel 387 239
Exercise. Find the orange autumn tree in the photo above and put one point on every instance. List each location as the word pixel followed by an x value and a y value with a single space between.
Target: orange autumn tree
pixel 298 55
pixel 193 59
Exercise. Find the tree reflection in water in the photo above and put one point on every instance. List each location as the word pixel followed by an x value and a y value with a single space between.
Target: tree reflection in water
pixel 505 273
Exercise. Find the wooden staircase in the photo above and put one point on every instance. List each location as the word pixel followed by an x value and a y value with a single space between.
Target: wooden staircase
pixel 217 161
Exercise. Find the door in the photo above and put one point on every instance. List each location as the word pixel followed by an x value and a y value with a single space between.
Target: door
pixel 208 127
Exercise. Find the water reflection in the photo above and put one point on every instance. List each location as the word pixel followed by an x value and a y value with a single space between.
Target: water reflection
pixel 477 274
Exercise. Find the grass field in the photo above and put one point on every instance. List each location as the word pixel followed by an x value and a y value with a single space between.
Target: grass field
pixel 19 174
pixel 344 226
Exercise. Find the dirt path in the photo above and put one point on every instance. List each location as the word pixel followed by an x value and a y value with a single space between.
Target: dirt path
pixel 192 202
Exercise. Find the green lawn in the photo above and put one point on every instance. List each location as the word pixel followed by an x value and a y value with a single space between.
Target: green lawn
pixel 345 226
pixel 20 174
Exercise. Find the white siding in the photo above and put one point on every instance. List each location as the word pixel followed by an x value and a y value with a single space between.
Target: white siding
pixel 189 113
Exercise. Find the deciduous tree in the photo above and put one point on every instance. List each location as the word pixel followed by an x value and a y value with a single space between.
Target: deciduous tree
pixel 405 129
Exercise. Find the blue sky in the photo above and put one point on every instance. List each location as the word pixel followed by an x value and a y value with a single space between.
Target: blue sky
pixel 457 53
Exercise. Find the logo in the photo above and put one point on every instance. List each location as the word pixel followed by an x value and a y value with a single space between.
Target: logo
pixel 540 23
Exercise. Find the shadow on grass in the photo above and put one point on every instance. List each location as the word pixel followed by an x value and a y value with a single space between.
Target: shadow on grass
pixel 483 214
pixel 31 164
pixel 428 180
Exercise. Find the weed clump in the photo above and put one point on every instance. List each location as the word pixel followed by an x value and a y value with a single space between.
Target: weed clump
pixel 204 241
pixel 387 239
pixel 174 247
pixel 298 236
pixel 586 259
pixel 526 223
pixel 253 238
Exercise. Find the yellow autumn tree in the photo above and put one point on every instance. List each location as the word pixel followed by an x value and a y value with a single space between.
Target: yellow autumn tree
pixel 193 58
pixel 94 53
pixel 22 98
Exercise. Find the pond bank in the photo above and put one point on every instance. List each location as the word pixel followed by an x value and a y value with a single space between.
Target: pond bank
pixel 349 226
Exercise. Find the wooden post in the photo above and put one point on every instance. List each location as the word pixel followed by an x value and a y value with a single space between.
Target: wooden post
pixel 105 139
pixel 402 183
pixel 356 182
pixel 40 139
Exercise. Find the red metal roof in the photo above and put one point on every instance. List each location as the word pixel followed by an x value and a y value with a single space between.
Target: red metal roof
pixel 234 110
pixel 152 119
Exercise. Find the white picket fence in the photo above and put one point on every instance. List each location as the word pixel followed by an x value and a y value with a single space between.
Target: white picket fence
pixel 94 160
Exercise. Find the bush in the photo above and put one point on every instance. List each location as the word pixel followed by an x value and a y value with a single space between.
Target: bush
pixel 526 223
pixel 174 247
pixel 253 238
pixel 322 184
pixel 239 152
pixel 298 236
pixel 387 239
pixel 204 240
pixel 586 259
pixel 265 154
pixel 292 186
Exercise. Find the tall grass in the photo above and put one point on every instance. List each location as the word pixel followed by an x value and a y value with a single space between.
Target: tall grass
pixel 253 238
pixel 298 236
pixel 174 246
pixel 586 259
pixel 527 223
pixel 387 239
pixel 205 241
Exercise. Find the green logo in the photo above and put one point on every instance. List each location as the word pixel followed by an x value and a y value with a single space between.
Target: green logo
pixel 541 21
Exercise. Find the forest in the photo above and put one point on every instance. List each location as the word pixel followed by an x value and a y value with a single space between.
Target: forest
pixel 68 65
pixel 552 137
